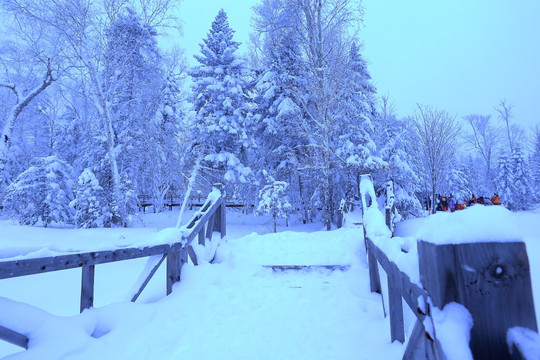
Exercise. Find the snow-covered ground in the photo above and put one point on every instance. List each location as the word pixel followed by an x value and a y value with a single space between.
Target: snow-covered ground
pixel 232 309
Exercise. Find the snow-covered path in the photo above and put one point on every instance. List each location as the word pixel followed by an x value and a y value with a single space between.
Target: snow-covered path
pixel 237 309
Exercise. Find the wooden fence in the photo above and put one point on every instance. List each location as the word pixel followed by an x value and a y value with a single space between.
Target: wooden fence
pixel 210 218
pixel 491 279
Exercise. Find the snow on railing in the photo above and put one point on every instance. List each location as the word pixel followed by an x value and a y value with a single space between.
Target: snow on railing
pixel 173 245
pixel 456 283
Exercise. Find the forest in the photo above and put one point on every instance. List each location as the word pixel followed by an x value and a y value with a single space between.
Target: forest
pixel 96 111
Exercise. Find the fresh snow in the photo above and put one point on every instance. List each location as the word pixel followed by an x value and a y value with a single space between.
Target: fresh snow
pixel 234 308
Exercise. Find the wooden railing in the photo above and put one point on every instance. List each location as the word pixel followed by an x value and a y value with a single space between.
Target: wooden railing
pixel 211 217
pixel 490 279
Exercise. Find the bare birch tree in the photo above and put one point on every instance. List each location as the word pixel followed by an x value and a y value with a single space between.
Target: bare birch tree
pixel 436 137
pixel 80 26
pixel 484 139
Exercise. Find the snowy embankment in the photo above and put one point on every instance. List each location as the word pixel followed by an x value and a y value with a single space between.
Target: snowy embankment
pixel 233 309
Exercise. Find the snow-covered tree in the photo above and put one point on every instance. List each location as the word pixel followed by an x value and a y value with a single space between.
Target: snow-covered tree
pixel 90 205
pixel 458 185
pixel 273 199
pixel 523 197
pixel 393 138
pixel 435 137
pixel 505 181
pixel 535 162
pixel 356 147
pixel 42 193
pixel 134 79
pixel 483 138
pixel 222 126
pixel 168 143
pixel 281 91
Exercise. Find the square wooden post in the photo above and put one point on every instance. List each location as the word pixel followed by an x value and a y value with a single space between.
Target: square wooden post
pixel 175 261
pixel 87 286
pixel 491 279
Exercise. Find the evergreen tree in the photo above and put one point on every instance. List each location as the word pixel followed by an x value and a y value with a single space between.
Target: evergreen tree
pixel 535 164
pixel 91 207
pixel 281 91
pixel 523 197
pixel 133 80
pixel 221 132
pixel 393 138
pixel 42 193
pixel 505 181
pixel 168 142
pixel 355 145
pixel 273 199
pixel 458 185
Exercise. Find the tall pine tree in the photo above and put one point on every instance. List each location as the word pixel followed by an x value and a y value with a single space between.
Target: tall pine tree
pixel 222 126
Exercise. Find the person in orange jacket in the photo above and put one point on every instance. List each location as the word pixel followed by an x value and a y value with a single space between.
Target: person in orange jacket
pixel 495 199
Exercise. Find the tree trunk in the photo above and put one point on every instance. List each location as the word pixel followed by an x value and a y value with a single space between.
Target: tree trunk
pixel 22 103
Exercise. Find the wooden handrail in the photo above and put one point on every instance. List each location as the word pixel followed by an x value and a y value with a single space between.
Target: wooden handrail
pixel 212 214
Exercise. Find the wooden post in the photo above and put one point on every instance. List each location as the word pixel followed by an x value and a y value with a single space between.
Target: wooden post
pixel 491 279
pixel 374 278
pixel 397 330
pixel 202 237
pixel 13 337
pixel 220 222
pixel 148 278
pixel 210 226
pixel 175 261
pixel 339 219
pixel 87 286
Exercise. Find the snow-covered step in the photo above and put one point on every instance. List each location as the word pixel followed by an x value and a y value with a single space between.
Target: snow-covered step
pixel 307 267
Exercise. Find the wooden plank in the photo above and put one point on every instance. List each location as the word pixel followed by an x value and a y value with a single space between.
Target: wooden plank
pixel 15 268
pixel 197 226
pixel 147 280
pixel 223 214
pixel 210 227
pixel 410 293
pixel 486 278
pixel 192 255
pixel 397 331
pixel 416 347
pixel 175 261
pixel 307 267
pixel 220 219
pixel 87 286
pixel 13 337
pixel 374 278
pixel 202 237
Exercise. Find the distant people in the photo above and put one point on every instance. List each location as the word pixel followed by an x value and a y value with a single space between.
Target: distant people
pixel 472 200
pixel 480 200
pixel 428 203
pixel 451 204
pixel 495 199
pixel 440 203
pixel 444 203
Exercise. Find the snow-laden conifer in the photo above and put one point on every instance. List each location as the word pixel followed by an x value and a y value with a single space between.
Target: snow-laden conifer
pixel 273 199
pixel 523 197
pixel 505 181
pixel 221 128
pixel 90 205
pixel 42 193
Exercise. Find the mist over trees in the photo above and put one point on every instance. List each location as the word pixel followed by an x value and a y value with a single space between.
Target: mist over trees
pixel 94 114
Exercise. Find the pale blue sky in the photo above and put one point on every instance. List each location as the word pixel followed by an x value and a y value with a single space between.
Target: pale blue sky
pixel 460 55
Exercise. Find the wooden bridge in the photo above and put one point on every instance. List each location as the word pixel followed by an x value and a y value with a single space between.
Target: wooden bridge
pixel 440 267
